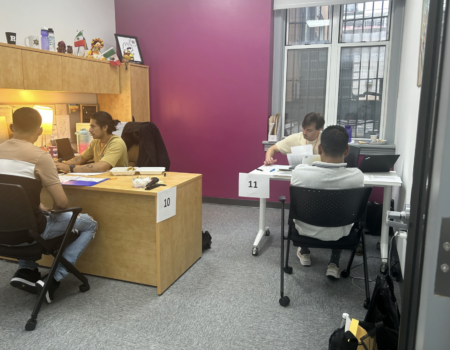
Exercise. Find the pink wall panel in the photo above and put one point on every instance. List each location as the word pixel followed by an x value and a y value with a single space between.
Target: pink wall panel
pixel 210 82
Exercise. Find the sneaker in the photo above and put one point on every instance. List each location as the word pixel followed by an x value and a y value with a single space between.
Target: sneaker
pixel 25 279
pixel 305 259
pixel 333 272
pixel 54 285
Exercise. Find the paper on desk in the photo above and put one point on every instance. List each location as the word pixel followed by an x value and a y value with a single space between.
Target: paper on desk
pixel 383 178
pixel 85 174
pixel 305 150
pixel 68 178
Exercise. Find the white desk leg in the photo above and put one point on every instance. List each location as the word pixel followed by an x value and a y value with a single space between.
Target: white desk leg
pixel 262 223
pixel 384 241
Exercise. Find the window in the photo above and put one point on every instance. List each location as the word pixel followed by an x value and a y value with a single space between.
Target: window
pixel 335 64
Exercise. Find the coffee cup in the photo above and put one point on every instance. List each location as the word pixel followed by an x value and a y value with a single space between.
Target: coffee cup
pixel 11 38
pixel 373 138
pixel 33 41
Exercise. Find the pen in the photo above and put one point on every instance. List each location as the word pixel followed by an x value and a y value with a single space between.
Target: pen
pixel 272 170
pixel 259 169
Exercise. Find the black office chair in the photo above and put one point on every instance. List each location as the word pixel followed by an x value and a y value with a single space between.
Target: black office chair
pixel 18 225
pixel 326 208
pixel 352 157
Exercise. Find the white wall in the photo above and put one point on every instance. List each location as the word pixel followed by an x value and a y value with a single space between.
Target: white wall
pixel 26 17
pixel 407 109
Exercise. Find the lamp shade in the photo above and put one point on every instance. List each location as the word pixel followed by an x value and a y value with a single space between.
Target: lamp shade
pixel 4 135
pixel 47 119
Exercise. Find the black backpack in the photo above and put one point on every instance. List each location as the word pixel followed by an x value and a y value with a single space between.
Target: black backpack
pixel 206 240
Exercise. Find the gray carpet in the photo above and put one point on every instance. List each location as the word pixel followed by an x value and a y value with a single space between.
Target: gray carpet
pixel 227 300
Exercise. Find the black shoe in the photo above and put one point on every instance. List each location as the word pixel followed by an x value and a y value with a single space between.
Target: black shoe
pixel 54 285
pixel 25 279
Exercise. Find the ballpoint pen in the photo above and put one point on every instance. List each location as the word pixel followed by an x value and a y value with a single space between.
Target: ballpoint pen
pixel 272 170
pixel 259 169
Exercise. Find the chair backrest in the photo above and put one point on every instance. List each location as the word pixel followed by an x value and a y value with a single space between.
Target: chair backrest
pixel 16 215
pixel 352 157
pixel 328 208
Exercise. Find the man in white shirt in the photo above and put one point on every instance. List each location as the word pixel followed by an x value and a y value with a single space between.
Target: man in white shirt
pixel 312 126
pixel 330 173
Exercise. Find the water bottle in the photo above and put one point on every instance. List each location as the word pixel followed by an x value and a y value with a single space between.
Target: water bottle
pixel 349 131
pixel 51 40
pixel 344 319
pixel 44 38
pixel 83 140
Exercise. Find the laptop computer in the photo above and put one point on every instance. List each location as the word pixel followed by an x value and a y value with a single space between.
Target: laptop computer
pixel 65 151
pixel 378 163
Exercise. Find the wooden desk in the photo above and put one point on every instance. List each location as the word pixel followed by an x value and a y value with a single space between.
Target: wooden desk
pixel 129 245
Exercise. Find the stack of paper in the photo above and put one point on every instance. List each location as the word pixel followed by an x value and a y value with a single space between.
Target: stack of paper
pixel 295 158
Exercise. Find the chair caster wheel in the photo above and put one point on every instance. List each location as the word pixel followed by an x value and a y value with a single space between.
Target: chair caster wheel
pixel 288 270
pixel 267 233
pixel 255 251
pixel 366 304
pixel 345 273
pixel 31 325
pixel 84 288
pixel 383 268
pixel 284 301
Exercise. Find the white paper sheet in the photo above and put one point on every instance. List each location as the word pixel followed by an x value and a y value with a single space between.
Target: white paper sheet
pixel 63 126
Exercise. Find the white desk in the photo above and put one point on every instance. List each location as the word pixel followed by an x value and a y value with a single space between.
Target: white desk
pixel 385 180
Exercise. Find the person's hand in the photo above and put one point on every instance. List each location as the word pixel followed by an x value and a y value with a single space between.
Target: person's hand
pixel 270 161
pixel 63 167
pixel 43 207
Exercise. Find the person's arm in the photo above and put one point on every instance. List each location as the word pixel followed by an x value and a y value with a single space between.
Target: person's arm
pixel 98 167
pixel 78 160
pixel 269 155
pixel 58 195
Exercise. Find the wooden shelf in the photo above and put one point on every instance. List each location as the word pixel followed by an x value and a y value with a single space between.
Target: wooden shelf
pixel 122 92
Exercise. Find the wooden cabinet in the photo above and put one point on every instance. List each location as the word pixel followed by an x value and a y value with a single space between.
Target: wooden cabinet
pixel 11 74
pixel 41 71
pixel 134 98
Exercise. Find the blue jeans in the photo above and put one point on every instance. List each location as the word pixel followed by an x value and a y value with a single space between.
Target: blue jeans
pixel 56 226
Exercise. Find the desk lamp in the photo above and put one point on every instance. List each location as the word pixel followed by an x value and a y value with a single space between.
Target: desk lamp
pixel 47 123
pixel 4 135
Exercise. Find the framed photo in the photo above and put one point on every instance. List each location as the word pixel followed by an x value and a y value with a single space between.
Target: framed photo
pixel 130 43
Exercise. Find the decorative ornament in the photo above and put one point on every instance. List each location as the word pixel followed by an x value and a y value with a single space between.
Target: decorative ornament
pixel 61 47
pixel 127 57
pixel 80 43
pixel 94 52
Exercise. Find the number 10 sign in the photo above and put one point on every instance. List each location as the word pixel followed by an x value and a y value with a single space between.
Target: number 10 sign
pixel 166 204
pixel 254 186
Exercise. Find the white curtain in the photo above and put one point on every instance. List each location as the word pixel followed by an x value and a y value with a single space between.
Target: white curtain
pixel 289 4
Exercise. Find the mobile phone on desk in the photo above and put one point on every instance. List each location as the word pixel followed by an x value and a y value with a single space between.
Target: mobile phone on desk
pixel 285 169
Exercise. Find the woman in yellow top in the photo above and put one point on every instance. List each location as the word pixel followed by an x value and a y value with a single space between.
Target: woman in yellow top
pixel 107 150
pixel 312 126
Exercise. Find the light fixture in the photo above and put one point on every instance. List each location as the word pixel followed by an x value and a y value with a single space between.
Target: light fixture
pixel 318 22
pixel 47 123
pixel 4 135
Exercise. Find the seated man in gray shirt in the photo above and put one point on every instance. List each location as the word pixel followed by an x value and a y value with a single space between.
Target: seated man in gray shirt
pixel 330 173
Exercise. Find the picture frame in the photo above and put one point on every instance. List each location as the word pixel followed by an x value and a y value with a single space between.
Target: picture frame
pixel 132 44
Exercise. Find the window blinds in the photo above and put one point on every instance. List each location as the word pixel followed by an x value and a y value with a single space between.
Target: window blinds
pixel 288 4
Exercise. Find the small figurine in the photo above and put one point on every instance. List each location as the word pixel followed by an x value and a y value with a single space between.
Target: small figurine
pixel 80 43
pixel 127 57
pixel 61 47
pixel 94 52
pixel 69 49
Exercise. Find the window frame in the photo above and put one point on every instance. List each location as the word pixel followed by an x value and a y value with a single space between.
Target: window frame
pixel 333 69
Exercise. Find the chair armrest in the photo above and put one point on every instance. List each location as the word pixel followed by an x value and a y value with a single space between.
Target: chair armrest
pixel 74 210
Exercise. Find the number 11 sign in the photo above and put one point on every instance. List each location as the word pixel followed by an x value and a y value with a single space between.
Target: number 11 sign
pixel 254 186
pixel 166 204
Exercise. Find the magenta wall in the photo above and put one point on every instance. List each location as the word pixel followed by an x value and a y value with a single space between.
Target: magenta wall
pixel 210 82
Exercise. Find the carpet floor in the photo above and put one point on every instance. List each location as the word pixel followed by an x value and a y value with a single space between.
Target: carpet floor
pixel 226 300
